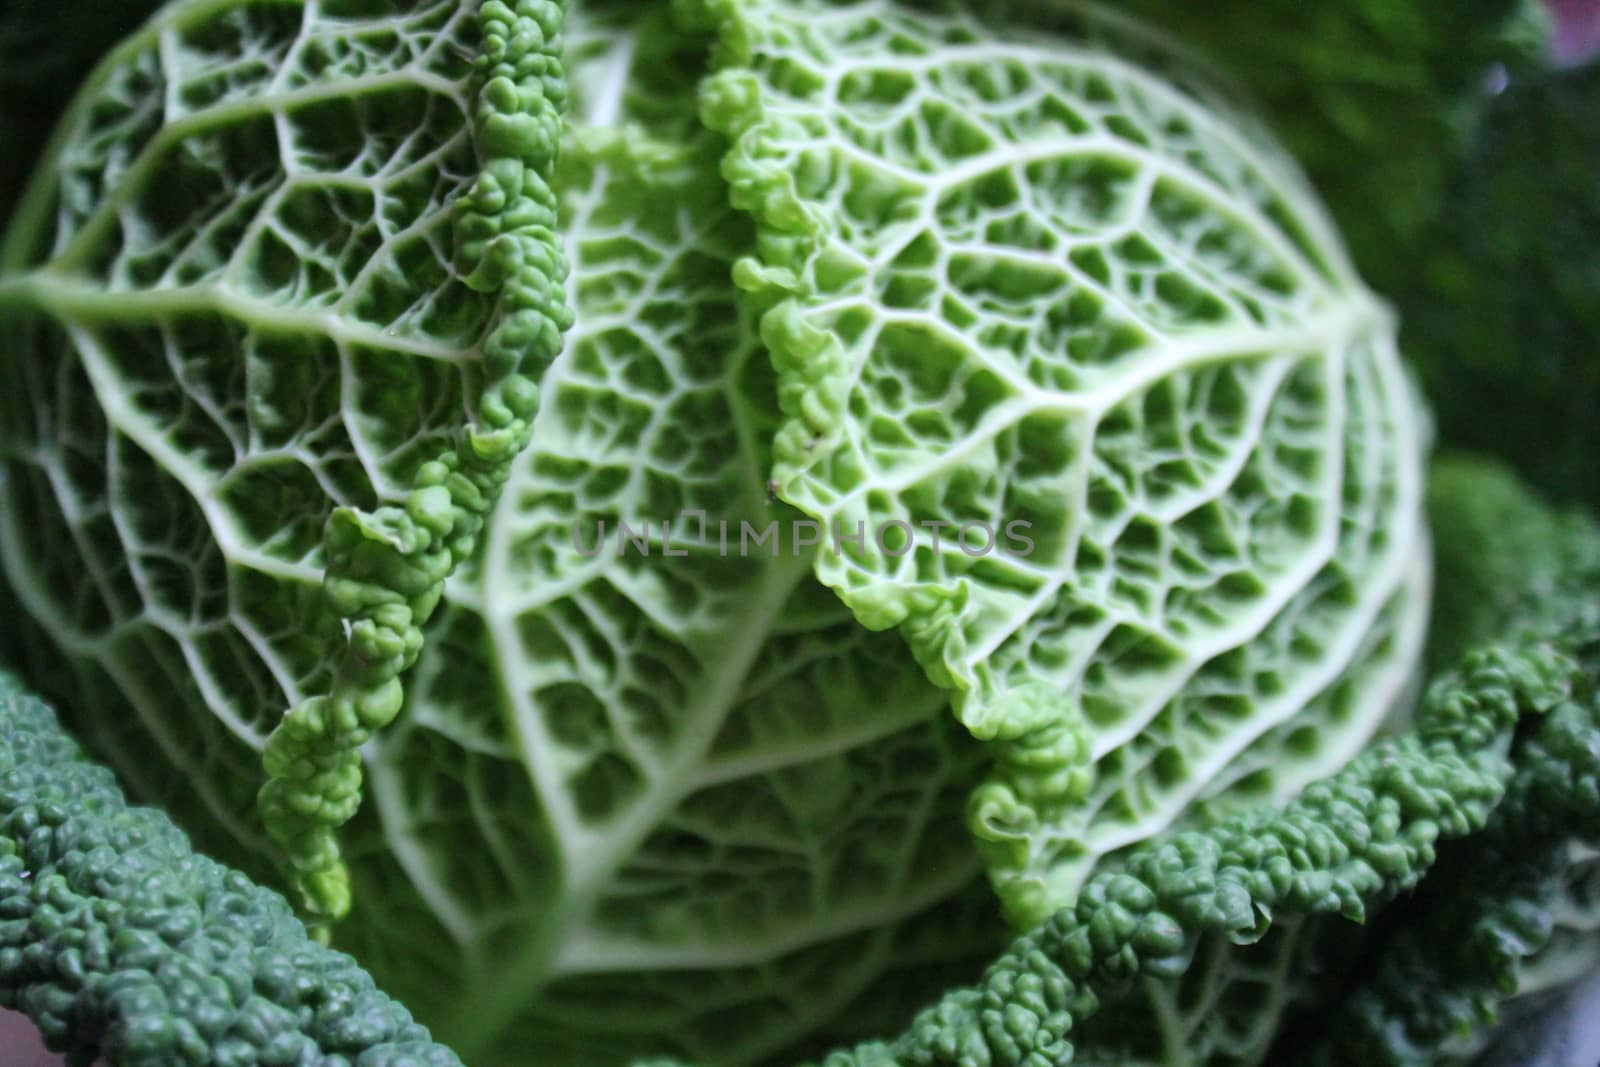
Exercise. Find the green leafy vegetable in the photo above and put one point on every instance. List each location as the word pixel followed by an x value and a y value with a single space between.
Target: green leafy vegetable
pixel 1443 978
pixel 123 944
pixel 1508 912
pixel 1511 912
pixel 1036 283
pixel 385 569
pixel 705 807
pixel 923 359
pixel 1178 954
pixel 1460 167
pixel 1346 843
pixel 284 328
pixel 693 782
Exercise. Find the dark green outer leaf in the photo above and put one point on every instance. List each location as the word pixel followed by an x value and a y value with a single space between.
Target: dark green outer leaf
pixel 120 942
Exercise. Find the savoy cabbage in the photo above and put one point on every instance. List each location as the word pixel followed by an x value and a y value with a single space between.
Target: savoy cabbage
pixel 1093 306
pixel 662 524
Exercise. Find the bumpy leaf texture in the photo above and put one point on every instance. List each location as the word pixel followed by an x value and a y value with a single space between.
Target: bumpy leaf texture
pixel 126 947
pixel 1506 919
pixel 1345 846
pixel 1509 915
pixel 698 772
pixel 1013 282
pixel 1226 1007
pixel 1192 947
pixel 653 797
pixel 230 309
pixel 649 802
pixel 271 276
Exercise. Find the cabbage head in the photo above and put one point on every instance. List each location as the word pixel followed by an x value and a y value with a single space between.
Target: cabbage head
pixel 969 453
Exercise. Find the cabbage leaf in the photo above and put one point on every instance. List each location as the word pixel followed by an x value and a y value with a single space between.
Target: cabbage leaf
pixel 1008 283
